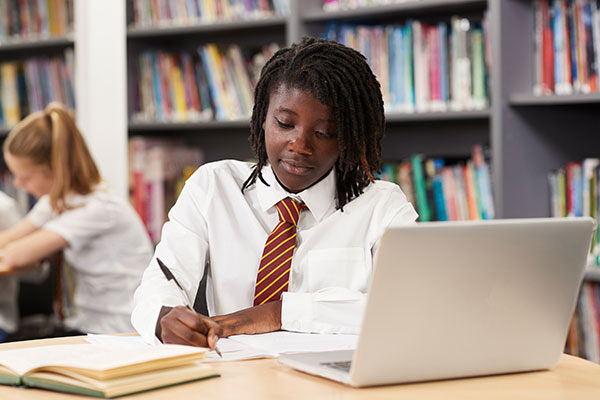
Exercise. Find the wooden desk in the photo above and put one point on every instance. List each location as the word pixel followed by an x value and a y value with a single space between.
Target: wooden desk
pixel 573 379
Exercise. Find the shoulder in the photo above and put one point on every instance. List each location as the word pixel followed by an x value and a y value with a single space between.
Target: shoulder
pixel 383 191
pixel 383 200
pixel 223 170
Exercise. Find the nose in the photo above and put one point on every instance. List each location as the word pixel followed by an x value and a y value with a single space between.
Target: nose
pixel 301 141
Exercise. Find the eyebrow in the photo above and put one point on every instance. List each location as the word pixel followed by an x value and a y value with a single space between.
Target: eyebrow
pixel 288 111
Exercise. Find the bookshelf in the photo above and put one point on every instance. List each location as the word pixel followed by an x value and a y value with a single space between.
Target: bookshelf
pixel 527 136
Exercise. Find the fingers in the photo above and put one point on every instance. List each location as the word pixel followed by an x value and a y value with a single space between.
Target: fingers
pixel 184 326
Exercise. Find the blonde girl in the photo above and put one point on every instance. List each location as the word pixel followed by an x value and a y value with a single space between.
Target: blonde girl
pixel 104 243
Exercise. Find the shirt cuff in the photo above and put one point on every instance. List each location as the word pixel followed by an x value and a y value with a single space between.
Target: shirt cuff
pixel 144 318
pixel 296 312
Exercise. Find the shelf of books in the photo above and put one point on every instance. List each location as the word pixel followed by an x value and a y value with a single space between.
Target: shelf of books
pixel 151 18
pixel 36 66
pixel 36 58
pixel 584 333
pixel 423 66
pixel 445 189
pixel 566 54
pixel 35 23
pixel 27 85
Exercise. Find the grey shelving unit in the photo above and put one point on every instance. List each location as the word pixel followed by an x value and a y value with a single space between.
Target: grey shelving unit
pixel 527 136
pixel 450 134
pixel 530 135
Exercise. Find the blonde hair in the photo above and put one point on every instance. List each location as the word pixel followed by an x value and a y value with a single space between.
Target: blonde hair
pixel 51 138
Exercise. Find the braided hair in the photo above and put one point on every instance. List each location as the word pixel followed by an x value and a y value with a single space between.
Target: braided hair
pixel 340 78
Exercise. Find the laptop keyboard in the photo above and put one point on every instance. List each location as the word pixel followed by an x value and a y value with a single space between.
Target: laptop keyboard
pixel 341 365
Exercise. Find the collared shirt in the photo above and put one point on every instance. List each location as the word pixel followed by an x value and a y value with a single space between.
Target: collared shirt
pixel 108 250
pixel 214 225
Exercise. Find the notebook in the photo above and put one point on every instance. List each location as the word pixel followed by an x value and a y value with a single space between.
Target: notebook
pixel 461 299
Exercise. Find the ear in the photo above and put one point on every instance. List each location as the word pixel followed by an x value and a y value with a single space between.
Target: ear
pixel 263 126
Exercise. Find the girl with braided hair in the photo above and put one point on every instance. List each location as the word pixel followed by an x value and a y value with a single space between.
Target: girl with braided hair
pixel 287 242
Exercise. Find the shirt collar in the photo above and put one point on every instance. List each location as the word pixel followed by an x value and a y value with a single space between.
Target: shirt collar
pixel 318 198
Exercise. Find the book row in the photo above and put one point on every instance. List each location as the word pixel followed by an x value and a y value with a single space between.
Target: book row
pixel 32 19
pixel 584 332
pixel 212 83
pixel 175 12
pixel 574 192
pixel 158 169
pixel 425 67
pixel 567 46
pixel 445 190
pixel 29 85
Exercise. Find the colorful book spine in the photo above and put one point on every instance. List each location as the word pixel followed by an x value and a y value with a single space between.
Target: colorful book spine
pixel 441 190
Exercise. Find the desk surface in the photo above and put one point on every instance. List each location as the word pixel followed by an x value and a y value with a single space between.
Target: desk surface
pixel 573 378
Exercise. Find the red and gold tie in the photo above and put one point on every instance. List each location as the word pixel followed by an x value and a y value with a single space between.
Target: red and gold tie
pixel 274 270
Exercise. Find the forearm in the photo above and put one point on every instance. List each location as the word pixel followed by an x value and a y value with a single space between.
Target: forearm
pixel 260 319
pixel 32 248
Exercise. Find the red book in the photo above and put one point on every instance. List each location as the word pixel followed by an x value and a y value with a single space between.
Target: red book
pixel 190 81
pixel 165 87
pixel 547 50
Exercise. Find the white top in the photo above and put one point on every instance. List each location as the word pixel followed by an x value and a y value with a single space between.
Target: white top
pixel 108 249
pixel 213 223
pixel 9 285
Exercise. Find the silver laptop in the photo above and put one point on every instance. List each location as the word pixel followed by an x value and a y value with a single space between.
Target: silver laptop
pixel 460 299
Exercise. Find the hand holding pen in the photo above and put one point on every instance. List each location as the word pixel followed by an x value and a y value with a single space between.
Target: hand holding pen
pixel 184 328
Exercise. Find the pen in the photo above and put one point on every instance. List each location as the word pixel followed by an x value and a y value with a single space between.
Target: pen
pixel 170 277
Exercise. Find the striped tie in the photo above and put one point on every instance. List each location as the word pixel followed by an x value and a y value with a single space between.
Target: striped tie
pixel 274 270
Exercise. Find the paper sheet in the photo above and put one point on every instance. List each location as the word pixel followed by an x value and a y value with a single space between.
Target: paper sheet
pixel 246 347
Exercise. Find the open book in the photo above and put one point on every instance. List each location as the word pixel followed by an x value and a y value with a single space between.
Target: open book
pixel 102 371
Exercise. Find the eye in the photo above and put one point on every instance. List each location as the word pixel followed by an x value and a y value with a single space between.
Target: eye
pixel 283 124
pixel 325 135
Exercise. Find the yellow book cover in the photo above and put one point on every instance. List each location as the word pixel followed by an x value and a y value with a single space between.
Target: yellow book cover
pixel 221 84
pixel 9 93
pixel 102 371
pixel 180 107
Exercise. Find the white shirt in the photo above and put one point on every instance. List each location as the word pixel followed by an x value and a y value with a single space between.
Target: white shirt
pixel 9 285
pixel 214 224
pixel 108 250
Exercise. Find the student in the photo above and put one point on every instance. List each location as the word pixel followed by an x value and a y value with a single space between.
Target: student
pixel 104 243
pixel 316 130
pixel 9 285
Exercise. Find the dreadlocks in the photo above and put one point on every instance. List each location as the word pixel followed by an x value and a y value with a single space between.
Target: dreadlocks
pixel 340 78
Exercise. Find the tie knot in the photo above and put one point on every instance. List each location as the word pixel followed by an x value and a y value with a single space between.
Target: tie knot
pixel 289 210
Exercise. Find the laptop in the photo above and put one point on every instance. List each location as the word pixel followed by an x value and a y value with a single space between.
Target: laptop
pixel 462 299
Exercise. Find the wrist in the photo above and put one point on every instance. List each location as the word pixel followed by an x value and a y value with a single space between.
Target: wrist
pixel 158 329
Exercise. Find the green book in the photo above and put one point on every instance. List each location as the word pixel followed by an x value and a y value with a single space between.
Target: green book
pixel 420 190
pixel 101 371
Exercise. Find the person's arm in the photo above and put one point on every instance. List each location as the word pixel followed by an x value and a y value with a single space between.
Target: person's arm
pixel 30 249
pixel 21 229
pixel 184 248
pixel 180 325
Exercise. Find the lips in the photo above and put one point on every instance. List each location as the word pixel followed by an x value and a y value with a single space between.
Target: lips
pixel 295 167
